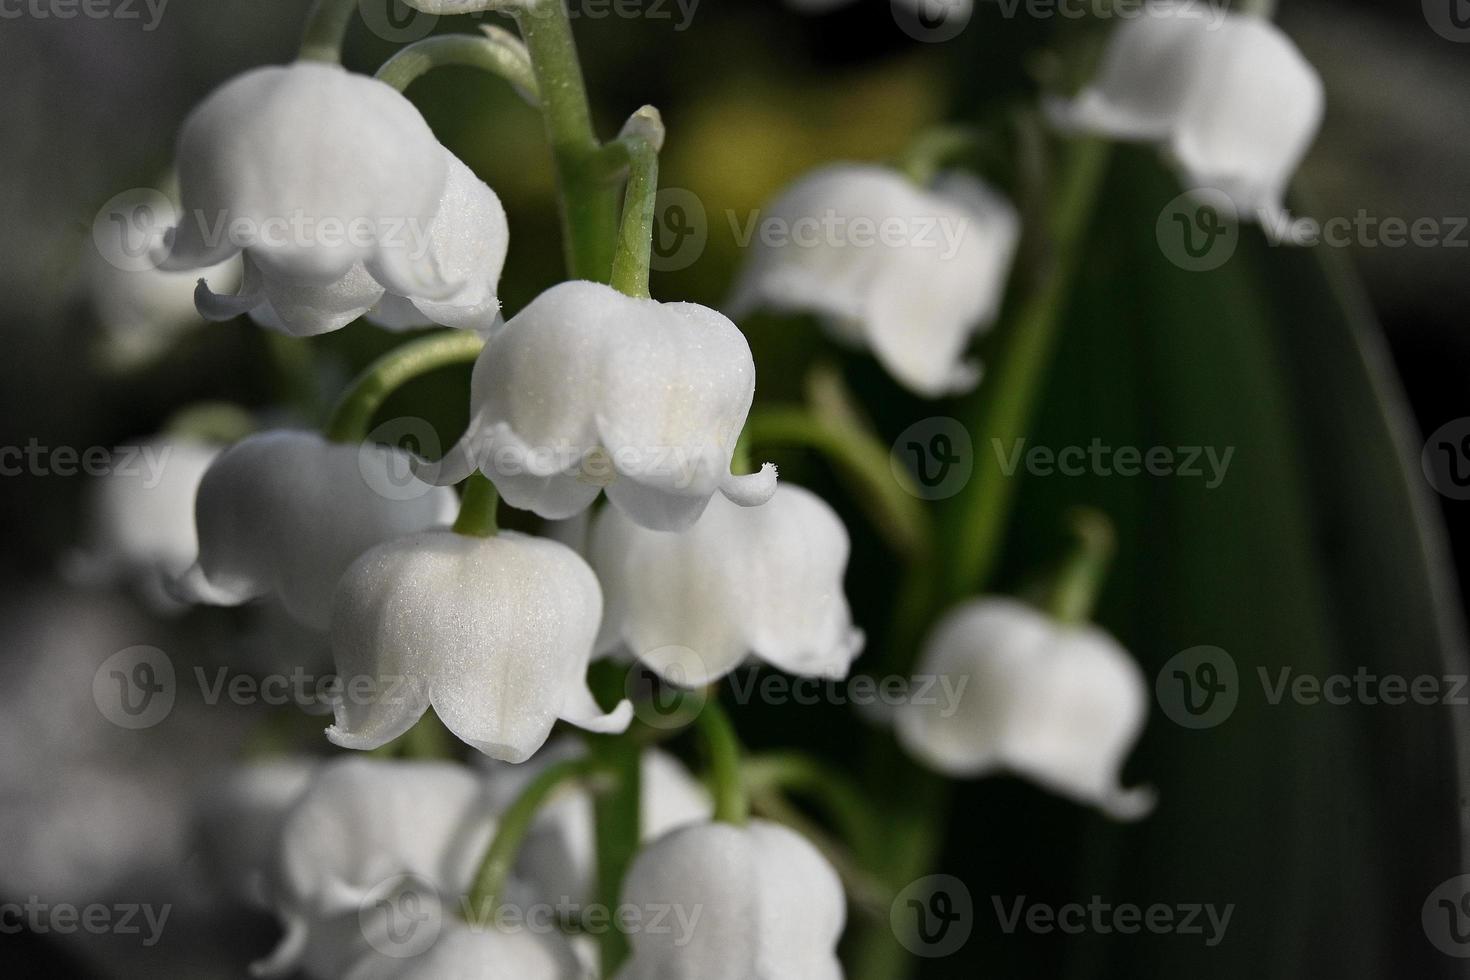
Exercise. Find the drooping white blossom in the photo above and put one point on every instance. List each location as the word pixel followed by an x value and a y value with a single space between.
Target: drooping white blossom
pixel 558 857
pixel 367 840
pixel 284 513
pixel 768 906
pixel 763 581
pixel 1059 704
pixel 467 243
pixel 495 633
pixel 140 522
pixel 336 190
pixel 587 389
pixel 908 272
pixel 1232 101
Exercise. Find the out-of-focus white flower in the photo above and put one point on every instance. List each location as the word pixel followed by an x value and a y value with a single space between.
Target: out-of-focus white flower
pixel 241 816
pixel 467 242
pixel 365 835
pixel 1058 704
pixel 140 523
pixel 558 857
pixel 142 312
pixel 907 272
pixel 1229 96
pixel 587 389
pixel 760 903
pixel 284 513
pixel 495 633
pixel 472 952
pixel 333 186
pixel 761 580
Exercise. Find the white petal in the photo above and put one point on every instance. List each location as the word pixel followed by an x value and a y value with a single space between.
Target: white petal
pixel 497 630
pixel 298 154
pixel 286 512
pixel 469 239
pixel 465 952
pixel 908 272
pixel 764 580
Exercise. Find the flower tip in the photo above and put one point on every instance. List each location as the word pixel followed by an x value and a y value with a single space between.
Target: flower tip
pixel 647 123
pixel 1129 805
pixel 217 308
pixel 752 489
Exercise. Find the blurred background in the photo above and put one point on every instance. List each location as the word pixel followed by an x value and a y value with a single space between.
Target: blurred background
pixel 1328 548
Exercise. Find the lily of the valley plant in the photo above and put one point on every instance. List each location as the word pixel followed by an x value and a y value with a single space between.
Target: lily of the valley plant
pixel 333 200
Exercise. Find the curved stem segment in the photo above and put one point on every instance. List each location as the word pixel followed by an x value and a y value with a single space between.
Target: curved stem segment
pixel 731 803
pixel 355 411
pixel 634 250
pixel 514 824
pixel 1080 581
pixel 494 50
pixel 477 508
pixel 793 772
pixel 588 202
pixel 326 28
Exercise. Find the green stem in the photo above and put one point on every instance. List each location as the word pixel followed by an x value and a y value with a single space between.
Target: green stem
pixel 887 490
pixel 477 508
pixel 326 28
pixel 635 239
pixel 588 202
pixel 1080 581
pixel 1006 401
pixel 510 832
pixel 354 412
pixel 618 832
pixel 793 772
pixel 495 51
pixel 731 803
pixel 933 149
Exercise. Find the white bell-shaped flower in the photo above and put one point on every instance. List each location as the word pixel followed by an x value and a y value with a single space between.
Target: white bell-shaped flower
pixel 587 389
pixel 752 903
pixel 907 272
pixel 763 581
pixel 471 952
pixel 366 834
pixel 466 242
pixel 1228 95
pixel 495 633
pixel 284 513
pixel 558 857
pixel 333 186
pixel 1059 704
pixel 140 524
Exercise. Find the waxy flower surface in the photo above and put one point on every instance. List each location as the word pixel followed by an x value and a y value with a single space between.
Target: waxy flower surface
pixel 1059 704
pixel 466 952
pixel 769 906
pixel 366 840
pixel 587 389
pixel 763 581
pixel 284 513
pixel 1229 96
pixel 337 192
pixel 909 272
pixel 495 633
